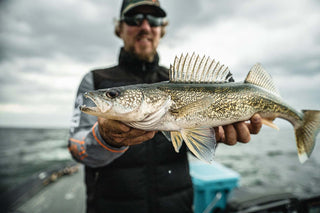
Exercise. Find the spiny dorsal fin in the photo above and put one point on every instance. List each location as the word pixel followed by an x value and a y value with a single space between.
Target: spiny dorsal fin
pixel 193 69
pixel 258 76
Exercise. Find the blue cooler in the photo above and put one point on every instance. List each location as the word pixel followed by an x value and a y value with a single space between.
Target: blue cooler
pixel 212 185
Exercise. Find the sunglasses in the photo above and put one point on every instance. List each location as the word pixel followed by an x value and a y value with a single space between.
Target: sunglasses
pixel 137 20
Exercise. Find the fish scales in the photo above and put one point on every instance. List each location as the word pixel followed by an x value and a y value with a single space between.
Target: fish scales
pixel 198 97
pixel 230 103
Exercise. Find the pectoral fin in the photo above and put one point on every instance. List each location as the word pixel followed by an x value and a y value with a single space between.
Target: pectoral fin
pixel 167 134
pixel 201 142
pixel 193 107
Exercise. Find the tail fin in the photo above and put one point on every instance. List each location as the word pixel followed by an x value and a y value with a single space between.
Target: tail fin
pixel 307 133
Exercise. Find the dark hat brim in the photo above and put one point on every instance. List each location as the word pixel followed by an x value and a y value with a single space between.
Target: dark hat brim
pixel 157 9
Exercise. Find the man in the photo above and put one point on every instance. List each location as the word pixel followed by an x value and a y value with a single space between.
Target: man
pixel 127 169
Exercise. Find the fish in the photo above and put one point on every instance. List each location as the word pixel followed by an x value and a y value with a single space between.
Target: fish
pixel 199 96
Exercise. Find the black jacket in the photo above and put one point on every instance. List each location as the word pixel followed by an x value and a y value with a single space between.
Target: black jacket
pixel 149 177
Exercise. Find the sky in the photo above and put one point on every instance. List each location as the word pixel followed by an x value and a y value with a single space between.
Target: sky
pixel 46 47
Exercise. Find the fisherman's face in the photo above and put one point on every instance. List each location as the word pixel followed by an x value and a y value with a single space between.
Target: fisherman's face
pixel 141 40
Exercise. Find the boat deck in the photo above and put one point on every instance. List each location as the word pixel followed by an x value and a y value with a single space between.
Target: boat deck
pixel 63 190
pixel 68 193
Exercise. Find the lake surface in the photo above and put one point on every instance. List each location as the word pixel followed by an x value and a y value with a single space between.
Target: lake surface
pixel 269 160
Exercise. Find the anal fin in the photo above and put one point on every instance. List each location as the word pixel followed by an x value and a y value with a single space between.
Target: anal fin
pixel 269 123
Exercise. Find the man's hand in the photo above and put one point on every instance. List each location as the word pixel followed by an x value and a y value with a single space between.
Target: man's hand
pixel 238 132
pixel 118 134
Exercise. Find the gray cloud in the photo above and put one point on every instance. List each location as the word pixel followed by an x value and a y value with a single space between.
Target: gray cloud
pixel 47 46
pixel 42 29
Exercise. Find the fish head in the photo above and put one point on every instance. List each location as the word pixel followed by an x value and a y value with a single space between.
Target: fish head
pixel 127 103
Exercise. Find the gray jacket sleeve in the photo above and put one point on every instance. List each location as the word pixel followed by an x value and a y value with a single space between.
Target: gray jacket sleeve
pixel 85 142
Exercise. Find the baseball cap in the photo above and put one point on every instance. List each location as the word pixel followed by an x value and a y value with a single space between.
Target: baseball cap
pixel 129 5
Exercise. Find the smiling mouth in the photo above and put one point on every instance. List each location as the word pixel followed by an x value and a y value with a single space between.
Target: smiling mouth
pixel 144 36
pixel 144 39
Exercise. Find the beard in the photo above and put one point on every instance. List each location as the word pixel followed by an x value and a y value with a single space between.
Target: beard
pixel 143 53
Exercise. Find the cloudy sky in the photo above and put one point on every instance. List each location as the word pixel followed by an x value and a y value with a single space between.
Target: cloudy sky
pixel 47 46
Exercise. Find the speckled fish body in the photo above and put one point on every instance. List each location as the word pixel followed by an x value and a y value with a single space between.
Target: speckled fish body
pixel 199 96
pixel 214 105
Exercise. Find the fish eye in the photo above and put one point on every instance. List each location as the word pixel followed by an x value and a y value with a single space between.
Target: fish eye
pixel 112 93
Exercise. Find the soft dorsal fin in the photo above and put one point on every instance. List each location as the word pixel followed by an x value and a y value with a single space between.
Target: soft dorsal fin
pixel 258 76
pixel 193 69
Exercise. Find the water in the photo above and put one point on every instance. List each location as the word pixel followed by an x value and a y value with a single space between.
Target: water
pixel 25 152
pixel 269 160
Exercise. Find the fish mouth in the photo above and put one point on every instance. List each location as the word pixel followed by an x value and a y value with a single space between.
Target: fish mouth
pixel 101 106
pixel 89 110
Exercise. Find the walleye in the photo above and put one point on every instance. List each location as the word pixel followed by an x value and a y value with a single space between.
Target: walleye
pixel 199 96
